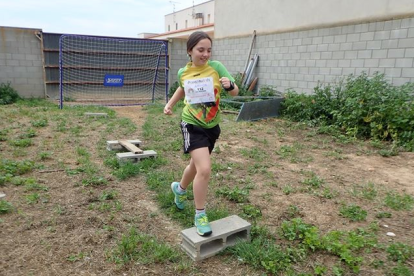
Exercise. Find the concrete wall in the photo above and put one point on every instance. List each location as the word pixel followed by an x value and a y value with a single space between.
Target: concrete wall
pixel 300 59
pixel 235 18
pixel 21 61
pixel 178 57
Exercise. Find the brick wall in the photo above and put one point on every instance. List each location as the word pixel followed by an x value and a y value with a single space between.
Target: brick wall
pixel 21 61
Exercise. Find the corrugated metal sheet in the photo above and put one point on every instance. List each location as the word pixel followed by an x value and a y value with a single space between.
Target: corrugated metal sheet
pixel 51 63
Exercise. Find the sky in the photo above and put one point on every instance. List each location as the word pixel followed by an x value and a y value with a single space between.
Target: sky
pixel 119 18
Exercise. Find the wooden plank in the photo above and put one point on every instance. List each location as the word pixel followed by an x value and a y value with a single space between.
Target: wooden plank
pixel 230 111
pixel 131 147
pixel 96 114
pixel 114 144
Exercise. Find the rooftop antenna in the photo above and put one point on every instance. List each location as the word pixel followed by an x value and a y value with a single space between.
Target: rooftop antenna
pixel 173 3
pixel 193 11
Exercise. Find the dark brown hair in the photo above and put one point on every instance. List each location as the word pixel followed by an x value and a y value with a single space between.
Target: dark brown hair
pixel 194 38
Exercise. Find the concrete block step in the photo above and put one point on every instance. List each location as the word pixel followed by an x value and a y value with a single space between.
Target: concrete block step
pixel 226 232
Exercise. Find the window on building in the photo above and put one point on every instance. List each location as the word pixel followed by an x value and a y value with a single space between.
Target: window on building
pixel 169 28
pixel 208 19
pixel 186 24
pixel 176 26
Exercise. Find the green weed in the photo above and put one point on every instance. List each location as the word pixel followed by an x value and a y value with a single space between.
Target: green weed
pixel 34 186
pixel 381 215
pixel 399 252
pixel 367 191
pixel 108 195
pixel 32 198
pixel 401 270
pixel 24 143
pixel 263 253
pixel 234 194
pixel 94 180
pixel 254 153
pixel 353 212
pixel 16 167
pixel 40 123
pixel 142 248
pixel 314 182
pixel 44 155
pixel 5 207
pixel 251 211
pixel 288 189
pixel 76 257
pixel 399 202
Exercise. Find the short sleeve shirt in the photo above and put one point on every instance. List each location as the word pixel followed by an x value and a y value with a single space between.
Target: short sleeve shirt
pixel 202 92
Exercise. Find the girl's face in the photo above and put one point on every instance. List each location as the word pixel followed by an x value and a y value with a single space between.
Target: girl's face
pixel 201 53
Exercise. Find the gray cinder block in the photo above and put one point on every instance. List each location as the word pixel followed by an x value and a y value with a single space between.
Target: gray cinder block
pixel 226 232
pixel 130 156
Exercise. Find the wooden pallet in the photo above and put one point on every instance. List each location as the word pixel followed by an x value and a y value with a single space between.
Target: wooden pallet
pixel 133 154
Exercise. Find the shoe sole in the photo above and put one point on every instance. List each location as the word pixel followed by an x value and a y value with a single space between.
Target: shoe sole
pixel 172 189
pixel 205 234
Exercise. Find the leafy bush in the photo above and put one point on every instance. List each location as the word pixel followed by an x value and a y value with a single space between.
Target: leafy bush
pixel 360 106
pixel 7 94
pixel 268 91
pixel 243 91
pixel 172 89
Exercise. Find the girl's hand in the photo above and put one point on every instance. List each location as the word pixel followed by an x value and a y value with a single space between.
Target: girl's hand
pixel 168 110
pixel 225 82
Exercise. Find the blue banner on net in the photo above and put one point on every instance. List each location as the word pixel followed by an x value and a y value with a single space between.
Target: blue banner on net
pixel 114 80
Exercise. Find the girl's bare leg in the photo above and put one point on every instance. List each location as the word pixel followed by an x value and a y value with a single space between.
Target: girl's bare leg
pixel 200 161
pixel 188 175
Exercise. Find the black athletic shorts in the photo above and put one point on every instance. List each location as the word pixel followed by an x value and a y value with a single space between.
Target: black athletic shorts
pixel 196 137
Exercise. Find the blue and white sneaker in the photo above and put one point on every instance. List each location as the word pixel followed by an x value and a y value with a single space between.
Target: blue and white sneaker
pixel 202 225
pixel 180 198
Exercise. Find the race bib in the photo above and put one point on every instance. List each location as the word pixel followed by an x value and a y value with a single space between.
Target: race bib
pixel 199 90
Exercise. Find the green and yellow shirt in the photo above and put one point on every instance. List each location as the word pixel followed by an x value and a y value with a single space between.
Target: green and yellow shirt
pixel 202 92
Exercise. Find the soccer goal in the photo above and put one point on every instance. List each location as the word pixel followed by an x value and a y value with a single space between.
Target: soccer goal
pixel 112 71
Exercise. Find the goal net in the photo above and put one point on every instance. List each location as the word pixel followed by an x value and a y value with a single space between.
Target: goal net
pixel 112 71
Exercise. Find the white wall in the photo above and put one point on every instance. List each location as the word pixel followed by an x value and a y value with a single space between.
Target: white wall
pixel 180 17
pixel 240 17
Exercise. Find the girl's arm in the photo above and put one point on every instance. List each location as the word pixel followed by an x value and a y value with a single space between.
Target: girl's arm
pixel 178 95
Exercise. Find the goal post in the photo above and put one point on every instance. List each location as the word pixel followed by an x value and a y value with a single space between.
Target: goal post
pixel 112 71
